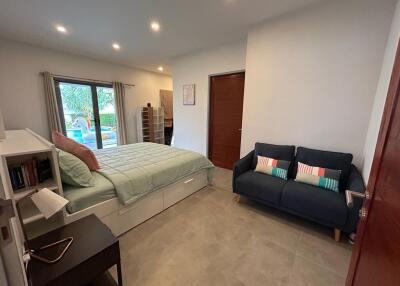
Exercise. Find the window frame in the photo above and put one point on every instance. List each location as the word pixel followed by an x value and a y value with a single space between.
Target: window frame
pixel 95 103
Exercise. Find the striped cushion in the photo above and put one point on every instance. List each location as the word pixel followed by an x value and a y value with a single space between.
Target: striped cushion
pixel 273 167
pixel 317 176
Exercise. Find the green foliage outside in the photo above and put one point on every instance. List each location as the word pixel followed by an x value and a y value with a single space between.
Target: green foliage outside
pixel 106 119
pixel 78 98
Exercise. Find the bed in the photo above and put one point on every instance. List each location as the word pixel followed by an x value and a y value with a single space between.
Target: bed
pixel 81 198
pixel 137 181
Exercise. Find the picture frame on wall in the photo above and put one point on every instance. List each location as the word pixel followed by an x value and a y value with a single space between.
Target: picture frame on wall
pixel 189 96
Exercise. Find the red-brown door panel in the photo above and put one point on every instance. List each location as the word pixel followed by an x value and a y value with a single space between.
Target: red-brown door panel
pixel 225 123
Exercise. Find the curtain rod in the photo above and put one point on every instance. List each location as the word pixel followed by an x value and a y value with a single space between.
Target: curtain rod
pixel 86 79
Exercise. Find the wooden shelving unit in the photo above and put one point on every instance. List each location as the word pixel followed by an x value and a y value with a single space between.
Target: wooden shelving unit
pixel 150 124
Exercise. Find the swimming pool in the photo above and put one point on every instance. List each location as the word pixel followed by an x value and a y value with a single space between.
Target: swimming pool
pixel 108 135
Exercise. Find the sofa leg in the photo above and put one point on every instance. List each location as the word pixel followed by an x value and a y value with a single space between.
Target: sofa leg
pixel 237 198
pixel 337 234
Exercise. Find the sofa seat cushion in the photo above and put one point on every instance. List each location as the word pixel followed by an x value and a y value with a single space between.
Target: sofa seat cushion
pixel 315 202
pixel 260 186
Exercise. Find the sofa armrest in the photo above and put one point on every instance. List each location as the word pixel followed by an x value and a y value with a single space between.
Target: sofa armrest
pixel 355 183
pixel 240 167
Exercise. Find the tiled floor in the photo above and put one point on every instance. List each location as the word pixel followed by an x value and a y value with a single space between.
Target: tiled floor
pixel 208 239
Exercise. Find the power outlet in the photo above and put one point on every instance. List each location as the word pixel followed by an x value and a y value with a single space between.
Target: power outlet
pixel 6 213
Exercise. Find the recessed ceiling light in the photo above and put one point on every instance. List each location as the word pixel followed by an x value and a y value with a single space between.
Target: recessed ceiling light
pixel 61 29
pixel 116 46
pixel 160 68
pixel 155 26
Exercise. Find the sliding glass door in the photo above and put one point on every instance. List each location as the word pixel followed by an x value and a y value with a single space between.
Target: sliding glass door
pixel 87 112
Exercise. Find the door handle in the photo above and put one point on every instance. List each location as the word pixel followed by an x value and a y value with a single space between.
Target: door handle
pixel 363 213
pixel 351 194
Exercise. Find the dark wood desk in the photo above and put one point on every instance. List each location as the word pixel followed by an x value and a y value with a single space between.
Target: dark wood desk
pixel 94 250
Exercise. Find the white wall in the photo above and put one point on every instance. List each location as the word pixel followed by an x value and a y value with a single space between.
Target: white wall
pixel 311 76
pixel 21 87
pixel 191 122
pixel 381 93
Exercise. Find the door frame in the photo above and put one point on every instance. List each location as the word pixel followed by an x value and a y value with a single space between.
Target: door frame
pixel 209 129
pixel 393 96
pixel 96 113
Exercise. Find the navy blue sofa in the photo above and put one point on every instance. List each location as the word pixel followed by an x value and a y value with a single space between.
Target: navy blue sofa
pixel 316 204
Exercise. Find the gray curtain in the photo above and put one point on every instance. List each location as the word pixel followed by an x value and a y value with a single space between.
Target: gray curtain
pixel 51 103
pixel 119 93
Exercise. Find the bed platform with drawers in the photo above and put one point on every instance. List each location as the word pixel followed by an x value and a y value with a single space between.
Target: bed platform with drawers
pixel 136 182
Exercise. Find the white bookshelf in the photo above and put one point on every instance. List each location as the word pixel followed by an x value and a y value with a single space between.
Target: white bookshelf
pixel 18 147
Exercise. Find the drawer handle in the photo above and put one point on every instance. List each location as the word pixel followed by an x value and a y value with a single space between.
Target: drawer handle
pixel 188 181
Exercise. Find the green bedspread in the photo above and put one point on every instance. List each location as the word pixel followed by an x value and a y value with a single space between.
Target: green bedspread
pixel 81 198
pixel 137 169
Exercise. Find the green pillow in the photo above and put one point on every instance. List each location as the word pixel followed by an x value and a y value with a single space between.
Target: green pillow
pixel 73 171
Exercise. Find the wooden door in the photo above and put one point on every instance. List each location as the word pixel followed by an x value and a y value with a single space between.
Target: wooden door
pixel 225 124
pixel 376 255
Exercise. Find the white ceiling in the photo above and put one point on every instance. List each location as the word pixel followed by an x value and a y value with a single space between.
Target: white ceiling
pixel 186 25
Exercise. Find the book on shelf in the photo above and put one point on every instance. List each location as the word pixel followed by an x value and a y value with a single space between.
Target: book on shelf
pixel 17 178
pixel 43 170
pixel 30 173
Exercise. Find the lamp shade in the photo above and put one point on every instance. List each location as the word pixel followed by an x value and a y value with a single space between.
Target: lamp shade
pixel 48 202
